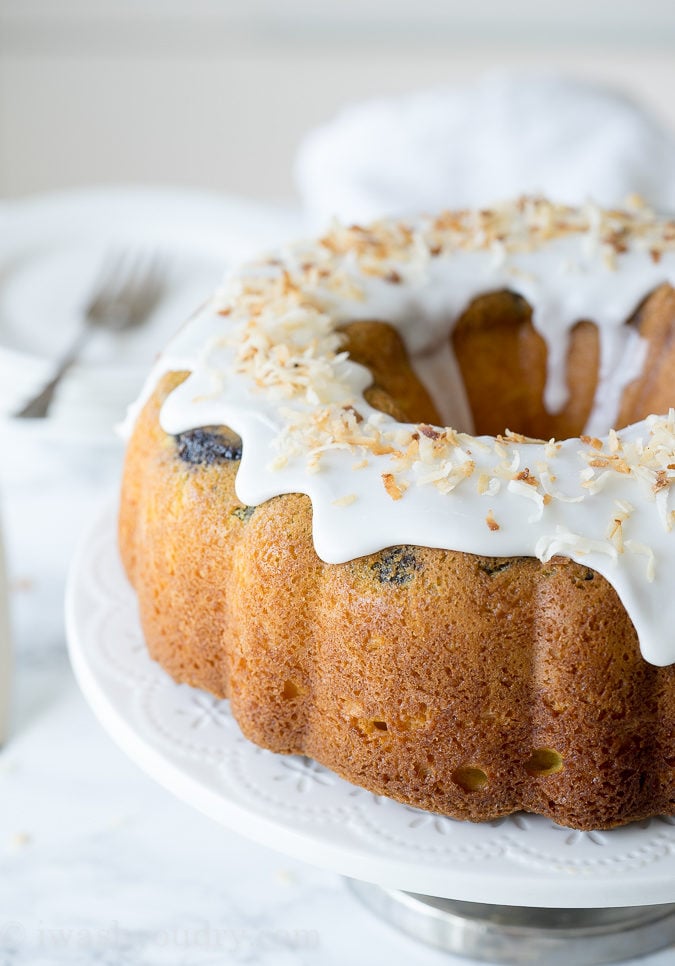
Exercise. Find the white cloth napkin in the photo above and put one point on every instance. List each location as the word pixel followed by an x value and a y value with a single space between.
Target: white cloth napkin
pixel 502 136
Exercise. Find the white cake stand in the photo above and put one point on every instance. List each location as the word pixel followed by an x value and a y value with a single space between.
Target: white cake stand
pixel 520 889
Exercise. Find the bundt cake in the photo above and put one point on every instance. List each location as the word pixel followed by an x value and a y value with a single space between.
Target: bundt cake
pixel 472 620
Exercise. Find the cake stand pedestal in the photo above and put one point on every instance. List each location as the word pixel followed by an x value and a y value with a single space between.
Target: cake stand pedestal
pixel 517 890
pixel 521 934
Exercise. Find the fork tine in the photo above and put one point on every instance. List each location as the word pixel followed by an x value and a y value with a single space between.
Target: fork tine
pixel 149 282
pixel 106 277
pixel 131 284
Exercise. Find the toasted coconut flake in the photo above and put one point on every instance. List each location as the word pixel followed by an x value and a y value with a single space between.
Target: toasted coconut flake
pixel 615 533
pixel 345 500
pixel 547 481
pixel 512 437
pixel 564 541
pixel 596 484
pixel 551 448
pixel 624 507
pixel 614 442
pixel 634 546
pixel 592 441
pixel 524 489
pixel 661 482
pixel 394 489
pixel 526 476
pixel 491 522
pixel 354 412
pixel 666 515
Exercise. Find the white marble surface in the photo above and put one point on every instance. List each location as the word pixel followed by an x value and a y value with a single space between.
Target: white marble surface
pixel 98 865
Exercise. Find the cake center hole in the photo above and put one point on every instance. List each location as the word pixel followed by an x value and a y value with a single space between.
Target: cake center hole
pixel 502 373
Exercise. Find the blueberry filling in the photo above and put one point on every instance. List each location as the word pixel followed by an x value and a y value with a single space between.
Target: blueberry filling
pixel 493 567
pixel 243 513
pixel 396 566
pixel 206 447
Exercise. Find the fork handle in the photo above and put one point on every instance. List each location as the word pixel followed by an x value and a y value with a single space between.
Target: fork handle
pixel 38 407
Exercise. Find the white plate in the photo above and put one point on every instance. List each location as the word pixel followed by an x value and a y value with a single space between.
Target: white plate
pixel 189 742
pixel 51 249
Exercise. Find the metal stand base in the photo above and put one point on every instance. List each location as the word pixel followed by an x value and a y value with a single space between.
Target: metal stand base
pixel 517 935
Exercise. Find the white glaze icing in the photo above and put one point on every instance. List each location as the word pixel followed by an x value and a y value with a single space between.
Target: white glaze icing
pixel 265 359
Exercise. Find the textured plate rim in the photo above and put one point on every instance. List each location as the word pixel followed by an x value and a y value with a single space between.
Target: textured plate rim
pixel 477 883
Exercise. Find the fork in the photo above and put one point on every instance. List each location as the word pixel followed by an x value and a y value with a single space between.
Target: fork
pixel 124 293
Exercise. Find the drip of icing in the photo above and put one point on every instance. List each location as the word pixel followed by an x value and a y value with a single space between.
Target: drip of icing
pixel 264 359
pixel 622 356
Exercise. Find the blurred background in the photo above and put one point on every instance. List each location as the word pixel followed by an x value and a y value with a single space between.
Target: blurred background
pixel 218 94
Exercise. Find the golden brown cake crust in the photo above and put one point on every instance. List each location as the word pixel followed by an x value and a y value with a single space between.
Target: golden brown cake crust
pixel 462 684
